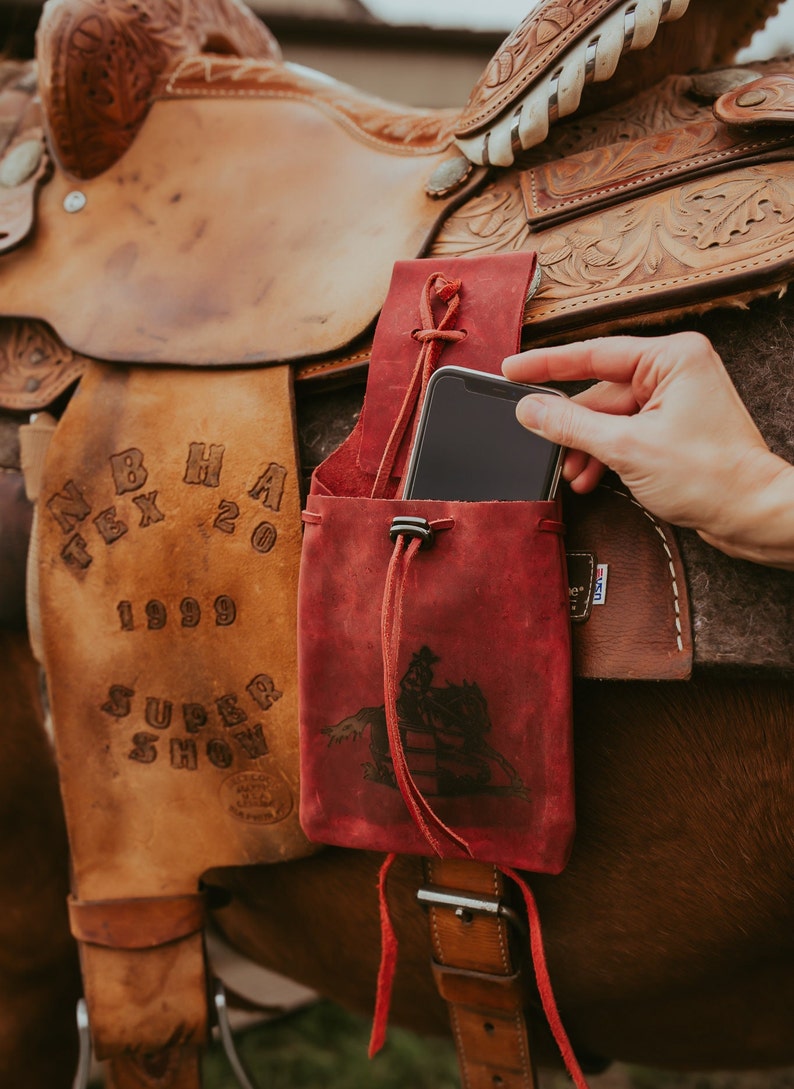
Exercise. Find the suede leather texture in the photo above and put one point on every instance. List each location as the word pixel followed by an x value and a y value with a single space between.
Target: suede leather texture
pixel 482 684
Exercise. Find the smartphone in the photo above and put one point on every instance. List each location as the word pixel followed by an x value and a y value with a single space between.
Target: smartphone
pixel 469 445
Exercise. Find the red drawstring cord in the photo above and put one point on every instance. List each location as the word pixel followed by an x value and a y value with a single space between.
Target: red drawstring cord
pixel 544 981
pixel 427 820
pixel 388 963
pixel 433 338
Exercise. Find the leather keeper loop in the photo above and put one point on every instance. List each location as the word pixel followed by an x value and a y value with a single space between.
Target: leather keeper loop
pixel 479 990
pixel 141 923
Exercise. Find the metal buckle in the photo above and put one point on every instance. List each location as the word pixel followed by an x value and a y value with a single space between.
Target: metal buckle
pixel 405 525
pixel 239 1069
pixel 467 905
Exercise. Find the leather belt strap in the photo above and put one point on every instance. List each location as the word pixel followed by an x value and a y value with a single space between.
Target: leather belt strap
pixel 140 923
pixel 477 975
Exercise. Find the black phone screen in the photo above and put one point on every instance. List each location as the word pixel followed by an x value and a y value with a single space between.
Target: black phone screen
pixel 470 446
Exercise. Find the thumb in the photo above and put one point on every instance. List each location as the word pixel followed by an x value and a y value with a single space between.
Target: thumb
pixel 570 424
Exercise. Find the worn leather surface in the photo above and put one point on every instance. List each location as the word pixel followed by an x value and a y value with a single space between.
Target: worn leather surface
pixel 657 254
pixel 169 539
pixel 577 258
pixel 497 763
pixel 496 755
pixel 641 629
pixel 186 199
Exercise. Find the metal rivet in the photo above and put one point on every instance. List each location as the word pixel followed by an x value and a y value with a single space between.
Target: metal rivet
pixel 74 201
pixel 752 98
pixel 448 177
pixel 20 163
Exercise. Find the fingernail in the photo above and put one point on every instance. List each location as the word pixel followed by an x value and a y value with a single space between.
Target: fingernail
pixel 531 412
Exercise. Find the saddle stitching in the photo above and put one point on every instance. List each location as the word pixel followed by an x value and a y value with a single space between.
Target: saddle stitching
pixel 635 289
pixel 464 1066
pixel 172 92
pixel 655 175
pixel 521 1037
pixel 333 111
pixel 670 564
pixel 495 884
pixel 304 371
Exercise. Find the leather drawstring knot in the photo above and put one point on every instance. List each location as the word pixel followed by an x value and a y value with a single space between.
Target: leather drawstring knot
pixel 449 335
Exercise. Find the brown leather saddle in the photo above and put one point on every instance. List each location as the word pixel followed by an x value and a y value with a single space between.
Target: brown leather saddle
pixel 318 251
pixel 187 224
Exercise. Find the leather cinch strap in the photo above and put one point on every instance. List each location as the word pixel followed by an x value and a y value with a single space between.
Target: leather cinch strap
pixel 471 928
pixel 477 975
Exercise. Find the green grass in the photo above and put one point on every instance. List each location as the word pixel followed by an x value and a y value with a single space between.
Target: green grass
pixel 325 1047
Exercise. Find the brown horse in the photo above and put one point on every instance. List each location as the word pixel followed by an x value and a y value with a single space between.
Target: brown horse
pixel 668 936
pixel 39 977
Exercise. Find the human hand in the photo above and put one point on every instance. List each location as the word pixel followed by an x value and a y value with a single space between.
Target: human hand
pixel 667 418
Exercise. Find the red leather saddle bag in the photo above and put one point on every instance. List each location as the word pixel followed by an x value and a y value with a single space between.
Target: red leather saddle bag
pixel 435 670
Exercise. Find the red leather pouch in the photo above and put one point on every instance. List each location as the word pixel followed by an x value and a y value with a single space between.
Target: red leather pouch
pixel 434 642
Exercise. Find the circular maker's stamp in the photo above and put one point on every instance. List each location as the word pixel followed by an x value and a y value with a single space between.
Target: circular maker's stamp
pixel 257 797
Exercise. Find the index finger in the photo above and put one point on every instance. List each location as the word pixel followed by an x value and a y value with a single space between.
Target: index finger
pixel 613 359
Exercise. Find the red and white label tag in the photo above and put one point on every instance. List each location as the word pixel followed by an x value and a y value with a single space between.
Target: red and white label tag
pixel 600 592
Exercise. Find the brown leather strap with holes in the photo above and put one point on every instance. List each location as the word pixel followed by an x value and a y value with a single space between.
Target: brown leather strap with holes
pixel 477 976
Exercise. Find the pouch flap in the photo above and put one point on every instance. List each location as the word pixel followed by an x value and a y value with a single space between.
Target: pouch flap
pixel 493 293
